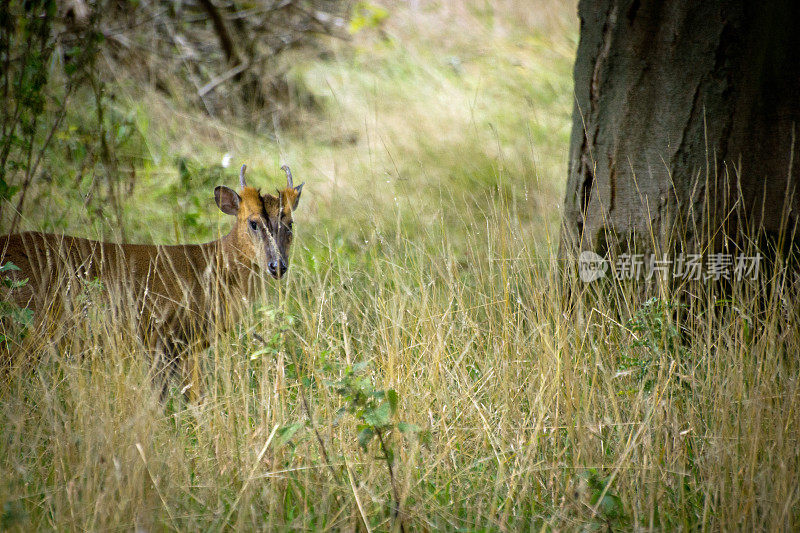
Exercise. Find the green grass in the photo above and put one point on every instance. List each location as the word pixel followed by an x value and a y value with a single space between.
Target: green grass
pixel 425 247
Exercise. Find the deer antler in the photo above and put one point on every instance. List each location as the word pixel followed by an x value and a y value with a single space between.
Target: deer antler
pixel 288 171
pixel 242 183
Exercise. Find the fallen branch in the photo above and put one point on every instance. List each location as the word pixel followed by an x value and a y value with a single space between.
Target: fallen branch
pixel 214 83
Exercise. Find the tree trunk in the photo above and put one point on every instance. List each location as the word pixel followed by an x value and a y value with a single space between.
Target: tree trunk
pixel 684 125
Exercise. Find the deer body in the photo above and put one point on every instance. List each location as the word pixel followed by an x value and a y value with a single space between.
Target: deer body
pixel 164 281
pixel 174 293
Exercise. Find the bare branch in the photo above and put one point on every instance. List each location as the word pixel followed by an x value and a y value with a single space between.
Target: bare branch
pixel 224 36
pixel 213 84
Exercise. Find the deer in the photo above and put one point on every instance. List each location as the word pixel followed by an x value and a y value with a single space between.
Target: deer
pixel 174 293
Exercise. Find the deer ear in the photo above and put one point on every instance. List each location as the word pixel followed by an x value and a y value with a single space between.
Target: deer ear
pixel 227 200
pixel 298 190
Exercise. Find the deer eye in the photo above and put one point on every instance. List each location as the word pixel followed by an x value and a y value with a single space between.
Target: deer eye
pixel 254 225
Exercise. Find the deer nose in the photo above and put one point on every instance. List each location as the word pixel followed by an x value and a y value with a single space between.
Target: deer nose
pixel 277 268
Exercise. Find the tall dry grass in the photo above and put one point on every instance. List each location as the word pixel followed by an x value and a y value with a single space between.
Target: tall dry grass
pixel 534 420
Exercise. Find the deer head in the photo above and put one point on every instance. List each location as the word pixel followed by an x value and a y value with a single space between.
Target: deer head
pixel 262 234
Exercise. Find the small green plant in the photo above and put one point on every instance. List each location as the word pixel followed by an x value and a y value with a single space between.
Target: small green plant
pixel 375 410
pixel 604 502
pixel 19 317
pixel 655 336
pixel 282 323
pixel 656 330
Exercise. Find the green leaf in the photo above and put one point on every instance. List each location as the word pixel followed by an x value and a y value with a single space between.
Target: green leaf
pixel 14 284
pixel 366 15
pixel 611 506
pixel 184 173
pixel 365 436
pixel 286 433
pixel 258 353
pixel 8 266
pixel 392 397
pixel 379 416
pixel 17 314
pixel 405 427
pixel 426 437
pixel 7 191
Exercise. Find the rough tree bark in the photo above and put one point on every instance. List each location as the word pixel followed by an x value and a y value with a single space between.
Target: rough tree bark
pixel 684 124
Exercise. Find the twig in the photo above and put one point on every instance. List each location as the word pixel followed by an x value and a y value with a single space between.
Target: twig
pixel 211 85
pixel 221 29
pixel 358 500
pixel 31 171
pixel 173 36
pixel 392 480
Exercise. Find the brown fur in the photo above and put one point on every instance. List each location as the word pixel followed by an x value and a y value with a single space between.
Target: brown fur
pixel 175 292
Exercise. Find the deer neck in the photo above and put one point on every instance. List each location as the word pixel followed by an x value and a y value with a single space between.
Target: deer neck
pixel 229 258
